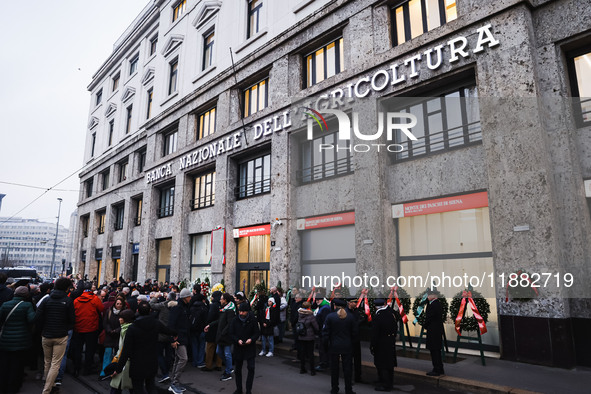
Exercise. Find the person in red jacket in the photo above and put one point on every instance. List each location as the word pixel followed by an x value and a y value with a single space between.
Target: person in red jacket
pixel 88 308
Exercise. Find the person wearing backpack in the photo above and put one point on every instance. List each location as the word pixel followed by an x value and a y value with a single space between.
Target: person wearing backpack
pixel 198 317
pixel 306 329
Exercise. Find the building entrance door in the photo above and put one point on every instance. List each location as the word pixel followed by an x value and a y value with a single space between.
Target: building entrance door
pixel 248 277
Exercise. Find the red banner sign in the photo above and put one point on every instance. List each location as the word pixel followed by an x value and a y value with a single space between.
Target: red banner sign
pixel 447 204
pixel 250 231
pixel 339 219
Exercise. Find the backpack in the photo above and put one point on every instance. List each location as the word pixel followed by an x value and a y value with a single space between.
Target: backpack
pixel 301 329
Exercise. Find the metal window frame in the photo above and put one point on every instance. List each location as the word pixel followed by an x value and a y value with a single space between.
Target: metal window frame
pixel 133 63
pixel 166 210
pixel 246 189
pixel 406 19
pixel 324 166
pixel 248 91
pixel 178 10
pixel 111 129
pixel 574 86
pixel 251 11
pixel 167 146
pixel 150 99
pixel 119 217
pixel 174 72
pixel 128 119
pixel 99 97
pixel 337 60
pixel 208 198
pixel 208 49
pixel 207 114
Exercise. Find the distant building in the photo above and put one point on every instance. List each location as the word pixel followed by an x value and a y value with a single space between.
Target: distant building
pixel 1 197
pixel 29 242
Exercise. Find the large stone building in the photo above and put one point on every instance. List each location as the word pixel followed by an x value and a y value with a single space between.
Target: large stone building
pixel 30 243
pixel 211 152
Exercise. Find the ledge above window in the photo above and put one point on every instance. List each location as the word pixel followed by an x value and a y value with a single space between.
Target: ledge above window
pixel 252 39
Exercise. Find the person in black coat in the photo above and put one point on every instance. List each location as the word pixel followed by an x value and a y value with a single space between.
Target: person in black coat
pixel 210 336
pixel 244 331
pixel 140 347
pixel 338 332
pixel 434 326
pixel 295 303
pixel 179 320
pixel 360 318
pixel 198 315
pixel 383 344
pixel 6 293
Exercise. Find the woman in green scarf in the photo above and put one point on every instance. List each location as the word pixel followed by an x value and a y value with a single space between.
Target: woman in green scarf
pixel 122 381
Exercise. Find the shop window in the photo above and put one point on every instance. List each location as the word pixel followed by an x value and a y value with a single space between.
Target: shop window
pixel 412 18
pixel 208 50
pixel 173 76
pixel 88 185
pixel 204 191
pixel 325 62
pixel 119 214
pixel 254 17
pixel 255 177
pixel 200 257
pixel 170 143
pixel 326 163
pixel 206 125
pixel 256 97
pixel 445 121
pixel 579 65
pixel 164 252
pixel 102 217
pixel 166 206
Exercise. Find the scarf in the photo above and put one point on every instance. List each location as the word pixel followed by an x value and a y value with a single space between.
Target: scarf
pixel 268 312
pixel 124 328
pixel 229 306
pixel 116 311
pixel 324 302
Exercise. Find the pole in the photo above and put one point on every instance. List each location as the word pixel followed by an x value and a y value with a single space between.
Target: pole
pixel 57 228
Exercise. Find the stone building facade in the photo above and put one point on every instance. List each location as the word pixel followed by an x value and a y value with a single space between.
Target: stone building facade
pixel 199 162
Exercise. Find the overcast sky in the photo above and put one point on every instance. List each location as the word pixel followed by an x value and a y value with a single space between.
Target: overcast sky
pixel 50 50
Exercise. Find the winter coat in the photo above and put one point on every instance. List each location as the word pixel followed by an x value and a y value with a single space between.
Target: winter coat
pixel 222 326
pixel 198 316
pixel 163 309
pixel 283 310
pixel 178 320
pixel 122 380
pixel 213 316
pixel 112 328
pixel 306 316
pixel 244 330
pixel 88 308
pixel 132 302
pixel 16 333
pixel 322 313
pixel 140 346
pixel 294 311
pixel 434 325
pixel 384 328
pixel 55 315
pixel 272 321
pixel 6 293
pixel 338 333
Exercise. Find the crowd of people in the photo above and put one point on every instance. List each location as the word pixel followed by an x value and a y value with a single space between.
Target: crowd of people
pixel 131 333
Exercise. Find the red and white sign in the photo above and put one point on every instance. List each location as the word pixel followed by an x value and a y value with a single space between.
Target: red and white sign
pixel 339 219
pixel 447 204
pixel 250 231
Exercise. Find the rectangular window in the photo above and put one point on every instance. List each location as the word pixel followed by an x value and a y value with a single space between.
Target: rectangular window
pixel 164 253
pixel 256 97
pixel 170 143
pixel 174 70
pixel 200 256
pixel 254 249
pixel 105 179
pixel 123 171
pixel 128 119
pixel 111 129
pixel 119 210
pixel 254 14
pixel 255 177
pixel 326 163
pixel 92 144
pixel 153 43
pixel 89 185
pixel 133 64
pixel 415 17
pixel 102 216
pixel 138 211
pixel 204 191
pixel 166 207
pixel 84 225
pixel 178 10
pixel 149 106
pixel 98 97
pixel 325 62
pixel 446 121
pixel 579 64
pixel 206 124
pixel 141 160
pixel 116 82
pixel 208 50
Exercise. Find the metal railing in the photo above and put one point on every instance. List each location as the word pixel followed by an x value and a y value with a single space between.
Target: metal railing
pixel 203 202
pixel 165 211
pixel 321 171
pixel 253 188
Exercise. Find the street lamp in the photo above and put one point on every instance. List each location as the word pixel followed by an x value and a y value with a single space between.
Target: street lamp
pixel 57 228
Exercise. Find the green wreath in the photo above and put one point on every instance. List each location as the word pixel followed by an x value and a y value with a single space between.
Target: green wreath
pixel 416 303
pixel 404 298
pixel 469 323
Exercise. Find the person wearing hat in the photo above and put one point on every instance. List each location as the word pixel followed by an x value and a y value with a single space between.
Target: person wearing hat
pixel 383 344
pixel 244 331
pixel 360 318
pixel 179 320
pixel 270 321
pixel 338 332
pixel 198 312
pixel 121 381
pixel 15 339
pixel 222 337
pixel 434 326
